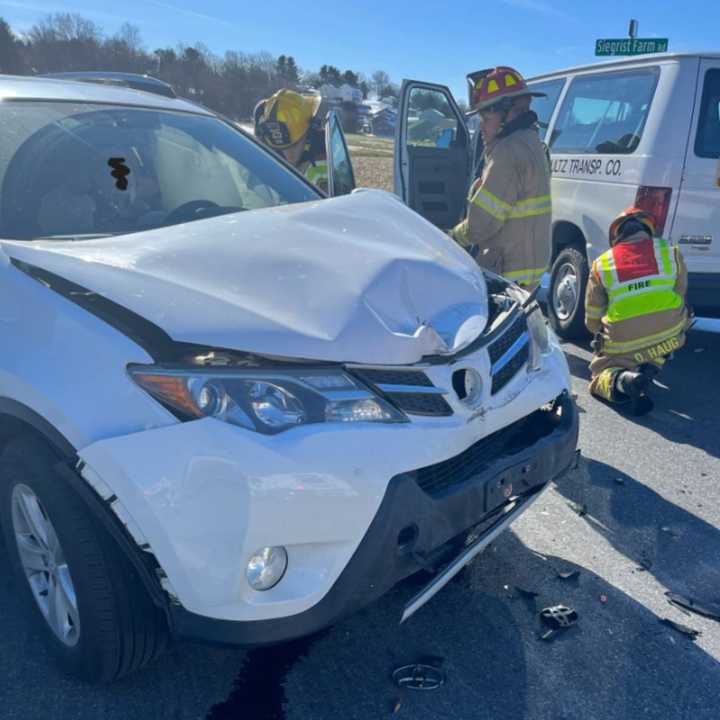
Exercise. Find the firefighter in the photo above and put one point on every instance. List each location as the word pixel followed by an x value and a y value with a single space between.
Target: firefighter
pixel 290 124
pixel 509 207
pixel 635 307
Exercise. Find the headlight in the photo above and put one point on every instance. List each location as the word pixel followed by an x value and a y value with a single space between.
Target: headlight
pixel 267 401
pixel 539 334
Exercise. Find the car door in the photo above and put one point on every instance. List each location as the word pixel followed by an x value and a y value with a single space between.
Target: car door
pixel 341 177
pixel 432 153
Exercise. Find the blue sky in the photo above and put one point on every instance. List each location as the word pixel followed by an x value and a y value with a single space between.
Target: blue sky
pixel 420 39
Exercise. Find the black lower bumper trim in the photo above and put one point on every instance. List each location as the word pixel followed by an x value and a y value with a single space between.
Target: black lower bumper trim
pixel 410 531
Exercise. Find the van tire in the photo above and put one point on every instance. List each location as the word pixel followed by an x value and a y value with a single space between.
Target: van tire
pixel 119 629
pixel 570 268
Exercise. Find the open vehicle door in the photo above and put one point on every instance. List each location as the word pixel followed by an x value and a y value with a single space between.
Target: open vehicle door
pixel 341 178
pixel 432 153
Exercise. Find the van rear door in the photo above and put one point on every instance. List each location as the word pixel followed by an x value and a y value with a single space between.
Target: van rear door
pixel 696 225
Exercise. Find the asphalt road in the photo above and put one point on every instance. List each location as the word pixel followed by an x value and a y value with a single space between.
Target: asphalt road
pixel 653 523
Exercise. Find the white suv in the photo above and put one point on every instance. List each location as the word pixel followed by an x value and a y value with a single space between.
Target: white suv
pixel 232 409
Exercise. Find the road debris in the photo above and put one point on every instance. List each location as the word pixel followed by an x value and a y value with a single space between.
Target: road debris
pixel 396 706
pixel 579 508
pixel 679 627
pixel 603 598
pixel 418 676
pixel 557 618
pixel 710 610
pixel 568 574
pixel 674 534
pixel 620 480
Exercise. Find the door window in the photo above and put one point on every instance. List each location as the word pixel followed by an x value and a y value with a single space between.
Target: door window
pixel 543 107
pixel 604 113
pixel 707 140
pixel 431 121
pixel 341 177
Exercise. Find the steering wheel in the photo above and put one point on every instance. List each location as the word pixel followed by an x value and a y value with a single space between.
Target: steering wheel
pixel 192 210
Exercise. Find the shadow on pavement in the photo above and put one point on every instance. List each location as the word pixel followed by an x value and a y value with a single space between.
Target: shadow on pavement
pixel 181 685
pixel 617 663
pixel 680 549
pixel 684 395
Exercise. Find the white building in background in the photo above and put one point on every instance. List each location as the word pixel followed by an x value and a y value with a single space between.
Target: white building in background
pixel 345 93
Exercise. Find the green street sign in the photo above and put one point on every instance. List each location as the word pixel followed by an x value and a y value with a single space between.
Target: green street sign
pixel 630 46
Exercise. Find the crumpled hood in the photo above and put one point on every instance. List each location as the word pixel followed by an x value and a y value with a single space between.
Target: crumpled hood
pixel 360 278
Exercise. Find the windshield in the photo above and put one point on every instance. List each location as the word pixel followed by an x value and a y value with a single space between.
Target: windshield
pixel 76 170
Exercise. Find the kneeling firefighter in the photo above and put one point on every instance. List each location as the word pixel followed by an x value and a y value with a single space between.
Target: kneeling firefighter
pixel 635 307
pixel 289 123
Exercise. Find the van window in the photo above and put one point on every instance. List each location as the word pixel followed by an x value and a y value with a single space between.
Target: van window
pixel 543 107
pixel 707 140
pixel 604 113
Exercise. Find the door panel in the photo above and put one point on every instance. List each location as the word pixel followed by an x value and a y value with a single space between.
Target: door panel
pixel 432 153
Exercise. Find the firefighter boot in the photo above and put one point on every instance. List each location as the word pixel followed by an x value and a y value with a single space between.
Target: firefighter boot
pixel 634 385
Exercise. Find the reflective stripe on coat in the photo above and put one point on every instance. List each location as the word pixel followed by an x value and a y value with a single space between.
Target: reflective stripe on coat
pixel 509 209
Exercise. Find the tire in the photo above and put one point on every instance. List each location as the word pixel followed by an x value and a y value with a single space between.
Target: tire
pixel 566 301
pixel 112 628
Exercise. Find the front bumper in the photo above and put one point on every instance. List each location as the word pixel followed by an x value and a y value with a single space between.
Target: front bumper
pixel 413 530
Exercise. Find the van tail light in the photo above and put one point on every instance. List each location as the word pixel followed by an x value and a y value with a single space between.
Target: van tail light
pixel 656 201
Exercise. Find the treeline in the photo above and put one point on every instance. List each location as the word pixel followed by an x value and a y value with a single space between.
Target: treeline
pixel 231 84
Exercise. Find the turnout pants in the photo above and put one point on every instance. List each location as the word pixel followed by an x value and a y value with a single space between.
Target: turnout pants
pixel 605 368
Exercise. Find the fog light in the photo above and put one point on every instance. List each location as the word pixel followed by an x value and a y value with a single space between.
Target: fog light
pixel 266 567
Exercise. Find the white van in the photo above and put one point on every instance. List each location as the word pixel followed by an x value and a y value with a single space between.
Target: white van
pixel 634 131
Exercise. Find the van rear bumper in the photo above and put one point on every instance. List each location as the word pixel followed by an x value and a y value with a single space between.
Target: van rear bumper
pixel 704 293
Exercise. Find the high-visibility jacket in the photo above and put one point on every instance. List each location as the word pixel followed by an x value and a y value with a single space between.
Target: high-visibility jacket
pixel 317 173
pixel 635 298
pixel 509 209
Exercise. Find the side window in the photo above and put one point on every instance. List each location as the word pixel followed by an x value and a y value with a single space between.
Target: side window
pixel 604 113
pixel 543 106
pixel 707 140
pixel 341 179
pixel 431 121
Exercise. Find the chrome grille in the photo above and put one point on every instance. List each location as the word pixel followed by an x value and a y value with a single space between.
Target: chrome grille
pixel 509 353
pixel 411 391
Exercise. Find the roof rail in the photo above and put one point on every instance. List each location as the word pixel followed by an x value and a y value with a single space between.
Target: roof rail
pixel 134 81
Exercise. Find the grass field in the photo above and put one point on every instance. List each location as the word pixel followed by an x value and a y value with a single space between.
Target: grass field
pixel 372 159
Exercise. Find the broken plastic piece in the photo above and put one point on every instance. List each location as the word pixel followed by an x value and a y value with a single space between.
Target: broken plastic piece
pixel 700 607
pixel 579 508
pixel 684 629
pixel 568 575
pixel 559 617
pixel 418 677
pixel 620 480
pixel 529 594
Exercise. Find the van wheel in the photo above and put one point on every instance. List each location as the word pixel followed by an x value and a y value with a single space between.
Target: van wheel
pixel 95 615
pixel 568 282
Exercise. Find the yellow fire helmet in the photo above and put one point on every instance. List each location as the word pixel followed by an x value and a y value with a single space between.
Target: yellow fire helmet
pixel 286 117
